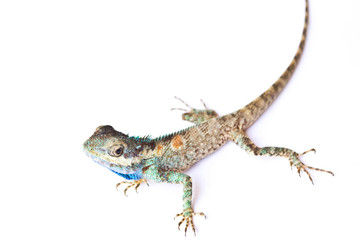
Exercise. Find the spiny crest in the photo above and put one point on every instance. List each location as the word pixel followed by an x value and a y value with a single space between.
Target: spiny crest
pixel 171 135
pixel 144 139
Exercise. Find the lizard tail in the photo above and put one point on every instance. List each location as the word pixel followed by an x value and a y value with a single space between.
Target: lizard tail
pixel 251 112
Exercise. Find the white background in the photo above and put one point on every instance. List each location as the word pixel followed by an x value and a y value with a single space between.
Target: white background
pixel 68 66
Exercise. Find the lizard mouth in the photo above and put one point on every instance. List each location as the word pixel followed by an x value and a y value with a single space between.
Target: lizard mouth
pixel 89 151
pixel 94 157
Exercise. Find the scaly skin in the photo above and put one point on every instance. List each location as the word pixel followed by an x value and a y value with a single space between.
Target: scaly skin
pixel 164 158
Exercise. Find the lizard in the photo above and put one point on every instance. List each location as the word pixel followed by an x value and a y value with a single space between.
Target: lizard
pixel 163 159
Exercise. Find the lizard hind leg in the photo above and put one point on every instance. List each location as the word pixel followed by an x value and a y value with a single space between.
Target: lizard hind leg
pixel 196 115
pixel 242 140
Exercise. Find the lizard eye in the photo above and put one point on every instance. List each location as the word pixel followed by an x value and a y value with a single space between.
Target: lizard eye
pixel 117 151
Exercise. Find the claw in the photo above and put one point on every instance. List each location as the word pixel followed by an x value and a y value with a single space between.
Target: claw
pixel 187 216
pixel 304 167
pixel 187 105
pixel 307 172
pixel 204 104
pixel 291 164
pixel 182 109
pixel 182 220
pixel 135 183
pixel 311 150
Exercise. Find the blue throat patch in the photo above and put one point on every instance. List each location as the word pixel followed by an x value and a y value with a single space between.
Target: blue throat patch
pixel 133 176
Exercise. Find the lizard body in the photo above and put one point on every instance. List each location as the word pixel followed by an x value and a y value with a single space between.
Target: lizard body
pixel 163 159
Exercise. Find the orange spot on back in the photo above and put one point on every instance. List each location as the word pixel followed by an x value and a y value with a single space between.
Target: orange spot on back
pixel 159 149
pixel 177 142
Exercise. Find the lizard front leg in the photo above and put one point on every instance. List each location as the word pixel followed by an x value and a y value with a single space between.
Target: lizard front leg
pixel 155 174
pixel 242 140
pixel 194 115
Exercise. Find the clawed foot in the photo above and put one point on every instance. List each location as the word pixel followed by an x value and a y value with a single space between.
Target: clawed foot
pixel 187 215
pixel 196 115
pixel 135 183
pixel 301 166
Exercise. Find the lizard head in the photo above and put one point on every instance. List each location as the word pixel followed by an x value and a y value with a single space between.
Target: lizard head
pixel 110 147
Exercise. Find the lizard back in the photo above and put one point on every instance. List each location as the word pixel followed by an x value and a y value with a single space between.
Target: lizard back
pixel 179 151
